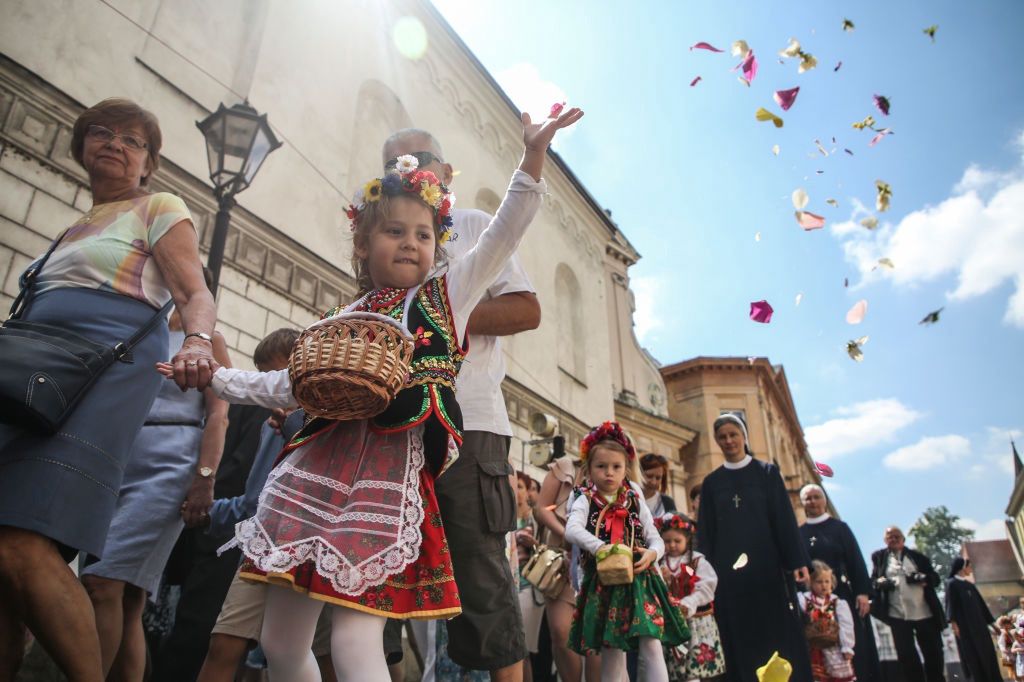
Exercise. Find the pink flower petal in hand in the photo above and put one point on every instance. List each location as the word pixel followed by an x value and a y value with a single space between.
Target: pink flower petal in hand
pixel 810 221
pixel 705 46
pixel 855 315
pixel 786 98
pixel 556 109
pixel 761 311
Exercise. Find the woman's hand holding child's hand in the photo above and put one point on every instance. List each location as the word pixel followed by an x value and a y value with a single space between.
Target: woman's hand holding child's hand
pixel 646 559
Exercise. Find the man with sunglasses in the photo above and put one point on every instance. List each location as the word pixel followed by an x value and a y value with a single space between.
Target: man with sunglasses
pixel 476 499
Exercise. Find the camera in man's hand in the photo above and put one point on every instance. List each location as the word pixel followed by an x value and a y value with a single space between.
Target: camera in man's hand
pixel 917 578
pixel 885 584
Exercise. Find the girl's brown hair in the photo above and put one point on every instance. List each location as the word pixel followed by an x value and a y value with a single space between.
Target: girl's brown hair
pixel 818 567
pixel 372 216
pixel 632 470
pixel 118 112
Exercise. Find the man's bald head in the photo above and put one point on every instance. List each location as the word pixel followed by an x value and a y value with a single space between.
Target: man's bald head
pixel 413 140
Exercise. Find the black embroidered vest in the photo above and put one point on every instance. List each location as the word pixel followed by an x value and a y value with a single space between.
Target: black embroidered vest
pixel 428 396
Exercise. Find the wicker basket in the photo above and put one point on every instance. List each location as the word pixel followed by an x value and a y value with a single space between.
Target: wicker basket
pixel 350 366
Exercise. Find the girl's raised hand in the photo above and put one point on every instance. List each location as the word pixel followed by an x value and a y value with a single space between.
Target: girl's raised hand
pixel 537 136
pixel 648 558
pixel 166 369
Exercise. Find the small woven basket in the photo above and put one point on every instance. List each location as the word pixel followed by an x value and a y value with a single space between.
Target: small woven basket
pixel 350 366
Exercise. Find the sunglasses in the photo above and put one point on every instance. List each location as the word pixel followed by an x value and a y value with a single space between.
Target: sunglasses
pixel 105 135
pixel 422 158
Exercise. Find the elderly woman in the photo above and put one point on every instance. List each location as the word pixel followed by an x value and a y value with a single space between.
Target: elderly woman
pixel 831 540
pixel 111 271
pixel 655 483
pixel 747 530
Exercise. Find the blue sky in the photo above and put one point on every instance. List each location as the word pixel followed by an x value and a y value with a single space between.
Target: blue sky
pixel 690 175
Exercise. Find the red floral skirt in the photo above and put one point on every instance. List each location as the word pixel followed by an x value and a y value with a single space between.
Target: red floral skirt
pixel 424 589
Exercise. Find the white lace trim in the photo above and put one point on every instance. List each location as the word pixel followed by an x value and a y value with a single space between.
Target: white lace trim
pixel 330 564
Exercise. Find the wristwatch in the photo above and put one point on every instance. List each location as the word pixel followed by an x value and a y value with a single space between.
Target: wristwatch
pixel 201 335
pixel 206 472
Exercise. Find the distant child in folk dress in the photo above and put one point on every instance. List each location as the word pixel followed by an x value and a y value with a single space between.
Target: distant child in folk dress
pixel 1004 624
pixel 1017 648
pixel 828 623
pixel 349 516
pixel 609 510
pixel 691 585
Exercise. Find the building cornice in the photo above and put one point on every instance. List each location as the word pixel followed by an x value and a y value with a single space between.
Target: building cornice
pixel 664 427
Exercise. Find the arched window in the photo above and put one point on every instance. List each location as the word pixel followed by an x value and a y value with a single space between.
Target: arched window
pixel 487 201
pixel 571 341
pixel 379 113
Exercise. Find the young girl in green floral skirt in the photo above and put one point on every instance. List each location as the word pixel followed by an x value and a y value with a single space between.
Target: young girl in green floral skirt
pixel 608 510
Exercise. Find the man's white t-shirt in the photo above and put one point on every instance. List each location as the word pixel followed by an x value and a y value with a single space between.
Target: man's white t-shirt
pixel 478 388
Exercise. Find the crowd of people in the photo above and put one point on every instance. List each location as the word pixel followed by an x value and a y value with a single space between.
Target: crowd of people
pixel 308 541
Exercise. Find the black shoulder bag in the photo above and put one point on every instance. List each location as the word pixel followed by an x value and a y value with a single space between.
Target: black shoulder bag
pixel 46 369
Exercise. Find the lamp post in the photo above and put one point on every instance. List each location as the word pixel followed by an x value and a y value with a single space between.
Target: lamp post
pixel 237 142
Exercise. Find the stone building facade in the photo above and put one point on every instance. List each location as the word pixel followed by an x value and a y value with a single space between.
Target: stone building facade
pixel 701 389
pixel 334 86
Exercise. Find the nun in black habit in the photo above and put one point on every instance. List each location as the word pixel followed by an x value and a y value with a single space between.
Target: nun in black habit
pixel 830 540
pixel 747 530
pixel 971 620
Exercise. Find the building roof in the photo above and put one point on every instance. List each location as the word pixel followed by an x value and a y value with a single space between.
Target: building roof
pixel 993 561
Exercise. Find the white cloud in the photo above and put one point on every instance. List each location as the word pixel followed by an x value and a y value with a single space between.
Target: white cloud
pixel 996 457
pixel 646 292
pixel 531 93
pixel 993 529
pixel 976 234
pixel 858 427
pixel 928 453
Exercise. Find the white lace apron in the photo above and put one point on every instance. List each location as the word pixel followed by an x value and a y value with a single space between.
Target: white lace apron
pixel 348 501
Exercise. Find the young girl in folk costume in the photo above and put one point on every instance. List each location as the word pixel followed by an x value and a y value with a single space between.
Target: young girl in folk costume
pixel 349 517
pixel 1017 648
pixel 691 585
pixel 1005 642
pixel 829 627
pixel 609 510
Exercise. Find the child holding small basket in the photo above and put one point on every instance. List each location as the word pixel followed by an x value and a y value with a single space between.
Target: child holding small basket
pixel 623 604
pixel 349 516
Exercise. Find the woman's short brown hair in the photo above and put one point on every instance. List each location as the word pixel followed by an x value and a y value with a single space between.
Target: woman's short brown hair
pixel 117 111
pixel 652 461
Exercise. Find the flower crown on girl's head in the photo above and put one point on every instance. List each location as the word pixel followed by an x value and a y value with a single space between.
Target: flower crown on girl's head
pixel 406 179
pixel 607 431
pixel 674 522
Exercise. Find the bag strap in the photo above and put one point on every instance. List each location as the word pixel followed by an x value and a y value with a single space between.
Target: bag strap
pixel 29 279
pixel 123 348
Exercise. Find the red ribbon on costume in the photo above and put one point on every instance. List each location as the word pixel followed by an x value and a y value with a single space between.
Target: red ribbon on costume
pixel 615 524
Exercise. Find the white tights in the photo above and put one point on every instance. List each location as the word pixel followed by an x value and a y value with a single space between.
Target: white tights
pixel 289 623
pixel 651 667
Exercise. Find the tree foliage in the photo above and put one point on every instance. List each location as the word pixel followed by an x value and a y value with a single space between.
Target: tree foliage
pixel 939 536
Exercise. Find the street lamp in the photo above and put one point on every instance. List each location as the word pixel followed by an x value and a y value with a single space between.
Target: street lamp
pixel 237 142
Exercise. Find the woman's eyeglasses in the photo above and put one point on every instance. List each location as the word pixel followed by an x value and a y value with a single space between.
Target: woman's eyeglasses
pixel 105 135
pixel 422 158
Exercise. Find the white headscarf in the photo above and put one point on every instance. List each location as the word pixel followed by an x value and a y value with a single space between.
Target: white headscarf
pixel 733 418
pixel 808 488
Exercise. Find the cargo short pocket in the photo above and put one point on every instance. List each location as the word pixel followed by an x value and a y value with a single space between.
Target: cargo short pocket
pixel 498 498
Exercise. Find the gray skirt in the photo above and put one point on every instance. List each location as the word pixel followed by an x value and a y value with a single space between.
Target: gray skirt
pixel 65 486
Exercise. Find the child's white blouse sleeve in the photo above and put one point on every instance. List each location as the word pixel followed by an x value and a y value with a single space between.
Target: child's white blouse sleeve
pixel 847 637
pixel 576 526
pixel 654 540
pixel 242 387
pixel 704 591
pixel 470 275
